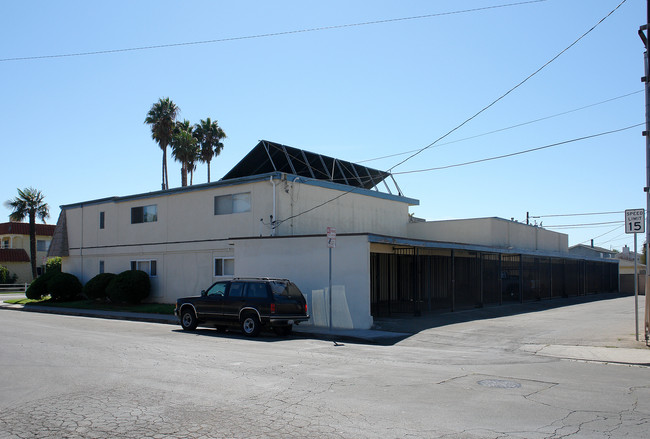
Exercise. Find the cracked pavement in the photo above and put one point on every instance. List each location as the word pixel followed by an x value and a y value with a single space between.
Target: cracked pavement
pixel 75 377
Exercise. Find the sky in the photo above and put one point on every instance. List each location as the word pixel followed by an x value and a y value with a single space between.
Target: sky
pixel 73 126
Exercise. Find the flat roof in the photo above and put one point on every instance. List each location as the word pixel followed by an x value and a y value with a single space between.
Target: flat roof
pixel 247 180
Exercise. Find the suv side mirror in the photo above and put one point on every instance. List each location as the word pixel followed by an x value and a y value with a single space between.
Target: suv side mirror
pixel 203 293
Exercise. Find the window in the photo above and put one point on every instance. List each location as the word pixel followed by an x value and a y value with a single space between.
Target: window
pixel 150 267
pixel 224 267
pixel 144 214
pixel 257 290
pixel 42 245
pixel 236 203
pixel 5 243
pixel 218 289
pixel 236 289
pixel 101 219
pixel 101 267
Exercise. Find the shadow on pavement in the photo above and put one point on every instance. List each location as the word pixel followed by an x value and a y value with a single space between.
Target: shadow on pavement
pixel 413 324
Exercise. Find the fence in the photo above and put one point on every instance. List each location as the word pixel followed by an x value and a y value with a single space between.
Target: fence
pixel 416 280
pixel 21 288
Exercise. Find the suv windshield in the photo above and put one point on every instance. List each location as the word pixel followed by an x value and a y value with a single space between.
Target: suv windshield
pixel 285 289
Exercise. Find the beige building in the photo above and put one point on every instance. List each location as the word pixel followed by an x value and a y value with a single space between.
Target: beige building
pixel 14 248
pixel 268 217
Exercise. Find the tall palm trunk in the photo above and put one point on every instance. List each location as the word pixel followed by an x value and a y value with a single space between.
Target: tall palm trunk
pixel 32 241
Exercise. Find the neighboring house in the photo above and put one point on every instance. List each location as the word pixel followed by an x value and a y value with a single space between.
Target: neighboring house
pixel 268 217
pixel 626 271
pixel 14 248
pixel 592 251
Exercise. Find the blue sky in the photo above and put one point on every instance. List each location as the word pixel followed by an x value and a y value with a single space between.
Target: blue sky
pixel 73 126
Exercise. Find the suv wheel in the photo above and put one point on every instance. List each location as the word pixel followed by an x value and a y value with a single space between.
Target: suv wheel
pixel 250 325
pixel 188 319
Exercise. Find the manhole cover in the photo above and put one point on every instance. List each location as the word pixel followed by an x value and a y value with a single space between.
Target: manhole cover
pixel 500 384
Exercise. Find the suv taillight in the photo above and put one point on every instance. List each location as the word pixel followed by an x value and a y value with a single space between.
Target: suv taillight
pixel 306 309
pixel 273 308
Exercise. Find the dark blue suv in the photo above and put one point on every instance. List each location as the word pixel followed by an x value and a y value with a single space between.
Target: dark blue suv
pixel 250 303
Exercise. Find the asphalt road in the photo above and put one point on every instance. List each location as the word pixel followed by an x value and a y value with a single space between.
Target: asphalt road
pixel 77 377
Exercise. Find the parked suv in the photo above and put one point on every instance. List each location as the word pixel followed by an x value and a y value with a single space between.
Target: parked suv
pixel 249 303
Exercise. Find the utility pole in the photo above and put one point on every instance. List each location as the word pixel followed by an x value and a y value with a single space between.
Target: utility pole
pixel 646 79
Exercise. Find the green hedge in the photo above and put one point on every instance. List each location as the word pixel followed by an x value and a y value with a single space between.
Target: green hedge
pixel 95 288
pixel 130 286
pixel 63 287
pixel 38 288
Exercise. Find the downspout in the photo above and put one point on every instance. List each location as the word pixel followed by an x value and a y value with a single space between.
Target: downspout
pixel 273 216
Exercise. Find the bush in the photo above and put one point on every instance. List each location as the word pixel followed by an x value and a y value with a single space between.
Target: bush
pixel 130 286
pixel 6 277
pixel 38 288
pixel 53 264
pixel 95 288
pixel 64 286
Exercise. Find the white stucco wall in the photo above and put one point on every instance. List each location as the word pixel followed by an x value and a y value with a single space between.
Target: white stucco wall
pixel 305 261
pixel 492 232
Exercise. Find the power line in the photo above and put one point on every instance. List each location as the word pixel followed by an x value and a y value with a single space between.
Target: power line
pixel 472 162
pixel 596 237
pixel 507 128
pixel 578 214
pixel 509 91
pixel 266 35
pixel 474 116
pixel 570 226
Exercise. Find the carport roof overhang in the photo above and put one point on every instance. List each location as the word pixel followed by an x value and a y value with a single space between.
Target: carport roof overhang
pixel 417 243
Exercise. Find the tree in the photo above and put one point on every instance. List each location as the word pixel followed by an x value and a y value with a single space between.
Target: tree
pixel 185 148
pixel 29 203
pixel 209 135
pixel 161 118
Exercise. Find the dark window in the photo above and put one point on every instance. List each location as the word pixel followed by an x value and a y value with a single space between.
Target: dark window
pixel 101 220
pixel 144 214
pixel 256 290
pixel 101 266
pixel 236 289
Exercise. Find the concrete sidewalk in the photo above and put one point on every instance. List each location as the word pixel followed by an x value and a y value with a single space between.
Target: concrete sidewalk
pixel 352 335
pixel 394 331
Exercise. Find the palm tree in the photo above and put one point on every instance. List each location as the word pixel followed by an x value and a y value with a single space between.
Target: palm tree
pixel 184 148
pixel 209 135
pixel 29 203
pixel 161 119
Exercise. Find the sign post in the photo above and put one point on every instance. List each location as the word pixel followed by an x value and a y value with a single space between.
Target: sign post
pixel 331 243
pixel 635 223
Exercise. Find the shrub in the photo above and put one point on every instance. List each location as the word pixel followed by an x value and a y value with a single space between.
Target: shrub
pixel 53 264
pixel 38 288
pixel 95 288
pixel 6 277
pixel 130 286
pixel 64 286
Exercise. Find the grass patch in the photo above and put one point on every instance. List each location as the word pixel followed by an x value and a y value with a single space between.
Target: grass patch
pixel 149 308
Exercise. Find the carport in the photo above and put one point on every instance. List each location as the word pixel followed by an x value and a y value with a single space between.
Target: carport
pixel 415 277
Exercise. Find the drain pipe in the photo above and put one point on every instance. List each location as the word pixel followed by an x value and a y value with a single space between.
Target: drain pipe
pixel 273 216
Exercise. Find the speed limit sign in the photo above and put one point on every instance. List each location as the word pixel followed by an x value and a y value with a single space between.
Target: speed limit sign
pixel 634 221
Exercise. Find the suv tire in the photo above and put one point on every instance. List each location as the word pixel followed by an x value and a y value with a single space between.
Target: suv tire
pixel 250 325
pixel 188 319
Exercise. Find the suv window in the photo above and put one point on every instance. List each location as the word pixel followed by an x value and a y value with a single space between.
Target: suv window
pixel 256 290
pixel 236 289
pixel 218 289
pixel 285 289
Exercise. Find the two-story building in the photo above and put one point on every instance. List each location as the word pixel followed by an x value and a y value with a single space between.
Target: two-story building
pixel 14 248
pixel 268 217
